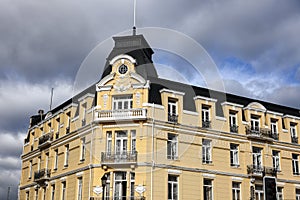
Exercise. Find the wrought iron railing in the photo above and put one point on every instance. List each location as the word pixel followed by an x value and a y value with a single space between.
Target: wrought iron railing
pixel 172 118
pixel 234 128
pixel 261 133
pixel 294 139
pixel 42 174
pixel 45 139
pixel 261 170
pixel 119 157
pixel 206 124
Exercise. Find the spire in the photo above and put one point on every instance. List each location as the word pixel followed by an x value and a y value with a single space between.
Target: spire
pixel 134 18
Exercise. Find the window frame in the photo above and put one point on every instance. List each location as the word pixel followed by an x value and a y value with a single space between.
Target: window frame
pixel 295 164
pixel 172 145
pixel 206 151
pixel 234 155
pixel 210 187
pixel 276 160
pixel 236 191
pixel 174 186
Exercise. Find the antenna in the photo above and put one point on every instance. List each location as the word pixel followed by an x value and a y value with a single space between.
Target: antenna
pixel 134 18
pixel 51 98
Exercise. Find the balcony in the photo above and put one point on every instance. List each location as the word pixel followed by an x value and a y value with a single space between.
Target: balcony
pixel 206 124
pixel 261 170
pixel 234 128
pixel 261 133
pixel 172 118
pixel 120 115
pixel 45 140
pixel 119 158
pixel 294 139
pixel 41 176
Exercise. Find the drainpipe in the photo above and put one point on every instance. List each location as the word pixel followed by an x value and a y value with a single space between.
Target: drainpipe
pixel 152 147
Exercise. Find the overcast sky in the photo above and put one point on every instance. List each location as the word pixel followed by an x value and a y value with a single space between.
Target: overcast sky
pixel 255 45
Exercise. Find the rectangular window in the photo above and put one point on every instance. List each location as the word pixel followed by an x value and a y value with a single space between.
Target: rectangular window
pixel 47 161
pixel 279 193
pixel 274 126
pixel 82 153
pixel 172 187
pixel 107 187
pixel 27 195
pixel 206 151
pixel 276 160
pixel 122 102
pixel 236 191
pixel 83 122
pixel 63 191
pixel 233 122
pixel 297 194
pixel 172 146
pixel 36 194
pixel 132 182
pixel 172 110
pixel 56 159
pixel 44 193
pixel 121 142
pixel 295 163
pixel 53 193
pixel 234 155
pixel 108 142
pixel 133 141
pixel 66 155
pixel 293 130
pixel 120 185
pixel 68 123
pixel 30 169
pixel 207 189
pixel 259 193
pixel 205 116
pixel 39 163
pixel 79 189
pixel 255 124
pixel 257 159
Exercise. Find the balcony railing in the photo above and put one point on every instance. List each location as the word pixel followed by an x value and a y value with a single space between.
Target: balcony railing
pixel 261 170
pixel 119 157
pixel 116 115
pixel 42 175
pixel 294 139
pixel 172 118
pixel 45 140
pixel 206 124
pixel 234 128
pixel 261 133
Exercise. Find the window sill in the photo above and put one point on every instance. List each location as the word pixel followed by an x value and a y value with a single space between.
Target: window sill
pixel 235 166
pixel 207 163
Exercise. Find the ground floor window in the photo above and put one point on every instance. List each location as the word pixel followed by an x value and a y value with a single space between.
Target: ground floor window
pixel 172 187
pixel 259 192
pixel 236 191
pixel 279 193
pixel 207 189
pixel 297 194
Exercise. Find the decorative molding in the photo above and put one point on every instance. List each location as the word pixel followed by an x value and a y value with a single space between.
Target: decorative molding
pixel 69 106
pixel 86 96
pixel 274 113
pixel 231 104
pixel 120 125
pixel 174 171
pixel 104 88
pixel 153 105
pixel 98 190
pixel 205 98
pixel 291 117
pixel 122 56
pixel 75 118
pixel 79 174
pixel 285 130
pixel 239 179
pixel 137 77
pixel 63 178
pixel 105 80
pixel 211 176
pixel 221 118
pixel 190 112
pixel 140 189
pixel 245 123
pixel 171 92
pixel 253 105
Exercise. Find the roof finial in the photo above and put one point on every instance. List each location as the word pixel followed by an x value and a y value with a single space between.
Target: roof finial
pixel 134 16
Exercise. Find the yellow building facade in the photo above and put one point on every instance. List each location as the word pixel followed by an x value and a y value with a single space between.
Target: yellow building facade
pixel 133 135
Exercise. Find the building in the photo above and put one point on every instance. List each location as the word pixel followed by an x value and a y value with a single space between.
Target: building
pixel 142 137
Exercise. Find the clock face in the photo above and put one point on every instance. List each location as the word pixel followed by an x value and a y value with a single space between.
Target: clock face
pixel 123 69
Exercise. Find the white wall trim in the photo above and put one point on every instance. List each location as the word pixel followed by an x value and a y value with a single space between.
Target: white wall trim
pixel 174 171
pixel 210 176
pixel 221 118
pixel 153 105
pixel 171 92
pixel 122 56
pixel 231 104
pixel 190 112
pixel 86 96
pixel 205 98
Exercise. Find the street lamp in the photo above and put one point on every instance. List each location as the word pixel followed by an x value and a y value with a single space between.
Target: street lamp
pixel 103 181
